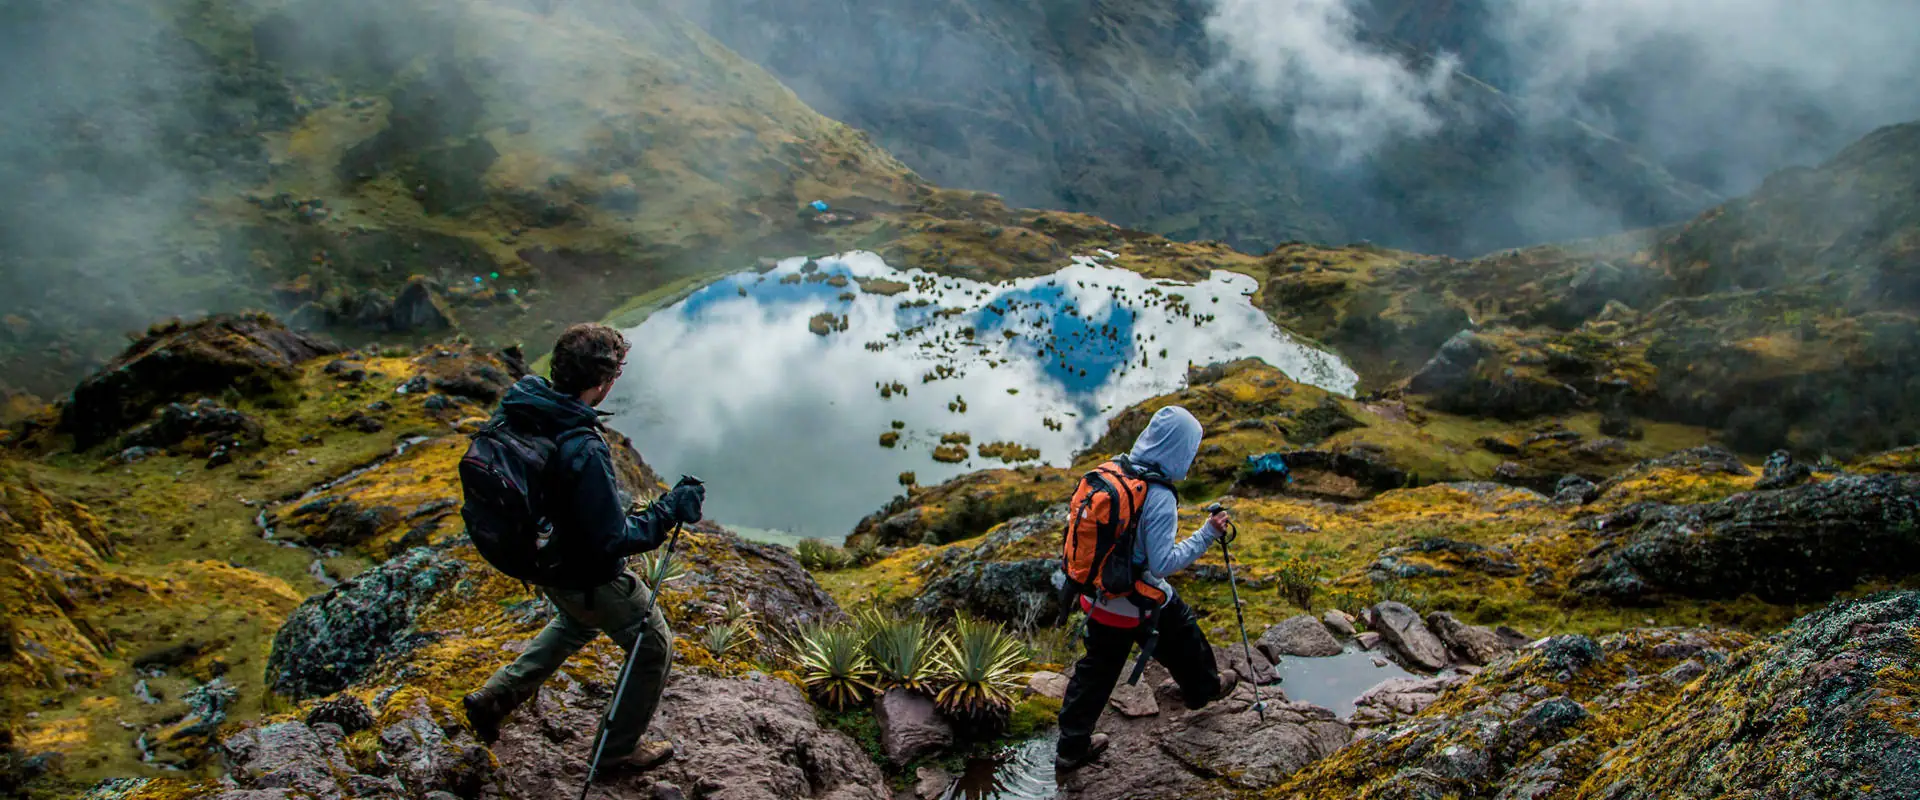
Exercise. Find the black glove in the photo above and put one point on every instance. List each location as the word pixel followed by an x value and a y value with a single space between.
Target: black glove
pixel 682 503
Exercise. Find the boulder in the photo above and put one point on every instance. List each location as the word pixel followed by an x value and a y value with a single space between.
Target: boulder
pixel 252 353
pixel 1790 545
pixel 286 755
pixel 1400 627
pixel 1781 472
pixel 910 726
pixel 1484 374
pixel 977 580
pixel 333 639
pixel 1298 636
pixel 419 309
pixel 427 759
pixel 1005 591
pixel 1339 622
pixel 1367 639
pixel 930 783
pixel 1233 656
pixel 1048 684
pixel 1469 643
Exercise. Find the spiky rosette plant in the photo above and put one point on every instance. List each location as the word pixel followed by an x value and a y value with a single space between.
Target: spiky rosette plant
pixel 739 613
pixel 833 663
pixel 903 651
pixel 722 638
pixel 660 566
pixel 979 665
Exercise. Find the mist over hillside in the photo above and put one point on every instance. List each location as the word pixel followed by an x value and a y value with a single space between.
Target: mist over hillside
pixel 1457 127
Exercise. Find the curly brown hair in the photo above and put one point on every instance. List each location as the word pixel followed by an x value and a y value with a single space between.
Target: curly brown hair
pixel 586 356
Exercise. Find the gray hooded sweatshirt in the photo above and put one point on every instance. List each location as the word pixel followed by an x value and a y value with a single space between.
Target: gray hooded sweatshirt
pixel 1169 443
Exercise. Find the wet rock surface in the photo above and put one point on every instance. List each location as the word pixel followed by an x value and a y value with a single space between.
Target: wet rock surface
pixel 253 353
pixel 1793 544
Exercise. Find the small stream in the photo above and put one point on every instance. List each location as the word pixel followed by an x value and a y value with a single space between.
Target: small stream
pixel 1021 772
pixel 317 568
pixel 1335 682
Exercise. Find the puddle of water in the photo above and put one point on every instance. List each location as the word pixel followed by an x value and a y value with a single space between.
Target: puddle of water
pixel 1335 682
pixel 1023 772
pixel 731 385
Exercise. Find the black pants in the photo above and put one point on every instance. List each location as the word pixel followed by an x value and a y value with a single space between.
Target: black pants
pixel 1182 649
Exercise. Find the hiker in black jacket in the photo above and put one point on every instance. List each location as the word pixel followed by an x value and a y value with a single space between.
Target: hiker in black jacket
pixel 596 530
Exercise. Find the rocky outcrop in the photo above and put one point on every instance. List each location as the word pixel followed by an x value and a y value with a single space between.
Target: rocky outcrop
pixel 1823 709
pixel 1400 627
pixel 202 428
pixel 1511 374
pixel 418 308
pixel 288 755
pixel 334 639
pixel 973 580
pixel 251 353
pixel 1784 546
pixel 1471 644
pixel 1298 636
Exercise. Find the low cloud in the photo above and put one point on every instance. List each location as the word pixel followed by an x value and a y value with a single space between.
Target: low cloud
pixel 1307 59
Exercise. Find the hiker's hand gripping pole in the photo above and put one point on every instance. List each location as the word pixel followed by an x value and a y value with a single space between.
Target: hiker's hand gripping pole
pixel 626 667
pixel 1233 532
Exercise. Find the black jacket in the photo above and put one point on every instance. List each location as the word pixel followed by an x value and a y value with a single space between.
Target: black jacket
pixel 581 495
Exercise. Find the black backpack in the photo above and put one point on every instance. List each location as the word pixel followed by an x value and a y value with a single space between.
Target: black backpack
pixel 504 479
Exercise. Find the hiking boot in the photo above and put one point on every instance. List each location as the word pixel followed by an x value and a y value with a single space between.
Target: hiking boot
pixel 486 709
pixel 1229 680
pixel 1096 745
pixel 644 757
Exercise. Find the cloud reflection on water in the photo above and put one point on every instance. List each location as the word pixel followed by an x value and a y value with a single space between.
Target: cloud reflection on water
pixel 784 423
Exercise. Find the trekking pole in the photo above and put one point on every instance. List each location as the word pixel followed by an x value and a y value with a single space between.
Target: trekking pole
pixel 1232 532
pixel 626 667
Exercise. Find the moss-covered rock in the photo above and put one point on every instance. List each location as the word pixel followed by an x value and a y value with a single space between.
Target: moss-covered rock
pixel 1801 543
pixel 252 354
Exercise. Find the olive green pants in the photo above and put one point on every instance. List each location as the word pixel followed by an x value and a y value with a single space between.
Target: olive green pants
pixel 616 608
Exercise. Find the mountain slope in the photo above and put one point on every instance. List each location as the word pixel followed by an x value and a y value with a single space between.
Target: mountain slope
pixel 202 152
pixel 1111 108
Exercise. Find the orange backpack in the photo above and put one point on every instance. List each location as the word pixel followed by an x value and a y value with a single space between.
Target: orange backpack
pixel 1103 520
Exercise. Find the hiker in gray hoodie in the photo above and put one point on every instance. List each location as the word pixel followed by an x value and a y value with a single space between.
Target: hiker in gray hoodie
pixel 1168 445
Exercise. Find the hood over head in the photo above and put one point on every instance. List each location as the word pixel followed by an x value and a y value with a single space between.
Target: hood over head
pixel 1169 442
pixel 533 404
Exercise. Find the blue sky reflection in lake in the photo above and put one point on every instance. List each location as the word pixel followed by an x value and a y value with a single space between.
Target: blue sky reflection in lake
pixel 730 384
